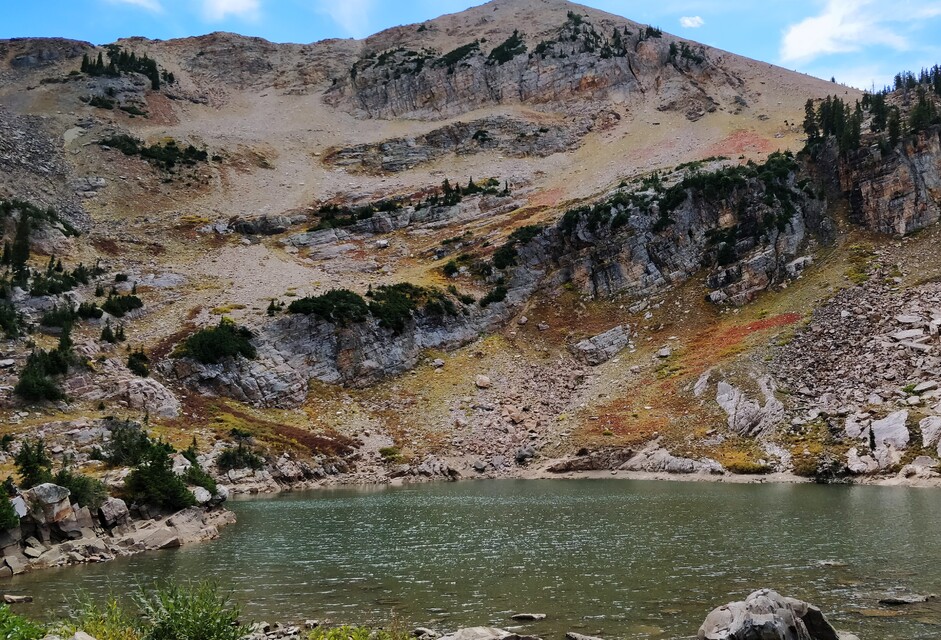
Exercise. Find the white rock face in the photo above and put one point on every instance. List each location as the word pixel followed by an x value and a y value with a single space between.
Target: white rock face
pixel 930 431
pixel 891 430
pixel 748 417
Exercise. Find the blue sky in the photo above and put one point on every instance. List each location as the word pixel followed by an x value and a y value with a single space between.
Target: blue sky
pixel 860 42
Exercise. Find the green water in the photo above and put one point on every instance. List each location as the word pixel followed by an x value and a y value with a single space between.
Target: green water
pixel 622 559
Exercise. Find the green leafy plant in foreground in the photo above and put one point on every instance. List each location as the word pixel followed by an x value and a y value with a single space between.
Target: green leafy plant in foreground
pixel 14 627
pixel 193 612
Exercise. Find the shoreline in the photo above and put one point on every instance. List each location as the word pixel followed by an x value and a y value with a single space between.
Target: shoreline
pixel 367 479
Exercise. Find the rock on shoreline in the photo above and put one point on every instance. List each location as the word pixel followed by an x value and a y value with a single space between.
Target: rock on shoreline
pixel 53 532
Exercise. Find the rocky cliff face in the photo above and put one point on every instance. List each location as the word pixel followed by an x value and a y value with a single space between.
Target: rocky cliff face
pixel 625 249
pixel 297 349
pixel 511 136
pixel 896 191
pixel 748 238
pixel 581 58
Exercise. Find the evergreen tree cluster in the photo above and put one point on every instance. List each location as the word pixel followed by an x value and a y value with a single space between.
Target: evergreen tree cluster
pixel 928 78
pixel 121 61
pixel 835 118
pixel 39 378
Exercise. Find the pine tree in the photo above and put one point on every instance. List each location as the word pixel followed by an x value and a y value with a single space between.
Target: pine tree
pixel 810 122
pixel 895 127
pixel 86 63
pixel 19 253
pixel 107 334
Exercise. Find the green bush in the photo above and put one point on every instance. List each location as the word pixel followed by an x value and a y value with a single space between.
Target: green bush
pixel 89 310
pixel 239 457
pixel 14 627
pixel 86 491
pixel 154 483
pixel 505 256
pixel 33 464
pixel 138 363
pixel 8 516
pixel 110 621
pixel 58 316
pixel 509 49
pixel 498 294
pixel 194 612
pixel 11 323
pixel 359 633
pixel 213 344
pixel 130 446
pixel 119 305
pixel 393 305
pixel 196 477
pixel 339 306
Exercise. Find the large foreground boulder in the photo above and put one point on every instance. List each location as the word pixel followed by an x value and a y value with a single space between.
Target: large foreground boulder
pixel 767 615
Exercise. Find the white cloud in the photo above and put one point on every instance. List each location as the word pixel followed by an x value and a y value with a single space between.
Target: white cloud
pixel 150 5
pixel 846 26
pixel 221 9
pixel 691 22
pixel 351 15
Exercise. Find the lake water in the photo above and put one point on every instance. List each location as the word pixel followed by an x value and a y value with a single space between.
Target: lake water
pixel 621 559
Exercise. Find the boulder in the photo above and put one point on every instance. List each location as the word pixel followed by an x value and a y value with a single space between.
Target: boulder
pixel 766 615
pixel 528 617
pixel 899 600
pixel 748 417
pixel 48 503
pixel 113 512
pixel 483 382
pixel 478 633
pixel 602 347
pixel 525 454
pixel 930 431
pixel 891 430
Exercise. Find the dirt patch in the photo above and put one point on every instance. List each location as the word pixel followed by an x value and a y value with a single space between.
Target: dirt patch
pixel 740 142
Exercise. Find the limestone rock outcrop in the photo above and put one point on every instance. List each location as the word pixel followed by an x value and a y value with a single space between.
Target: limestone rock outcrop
pixel 898 191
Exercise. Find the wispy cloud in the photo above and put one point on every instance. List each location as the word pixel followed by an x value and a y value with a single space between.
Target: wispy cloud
pixel 149 5
pixel 221 9
pixel 351 15
pixel 691 22
pixel 846 26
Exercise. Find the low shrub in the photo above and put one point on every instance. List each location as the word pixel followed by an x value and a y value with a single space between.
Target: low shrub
pixel 110 621
pixel 225 340
pixel 497 294
pixel 240 457
pixel 395 632
pixel 130 446
pixel 340 306
pixel 154 483
pixel 197 477
pixel 120 305
pixel 138 363
pixel 9 519
pixel 86 491
pixel 33 464
pixel 11 323
pixel 193 612
pixel 14 627
pixel 58 316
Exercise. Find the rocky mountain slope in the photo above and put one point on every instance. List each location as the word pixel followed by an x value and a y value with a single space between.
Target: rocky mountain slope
pixel 554 231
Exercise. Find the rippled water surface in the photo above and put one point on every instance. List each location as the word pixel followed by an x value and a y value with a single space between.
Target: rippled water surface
pixel 623 559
